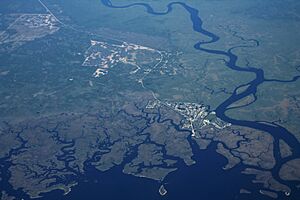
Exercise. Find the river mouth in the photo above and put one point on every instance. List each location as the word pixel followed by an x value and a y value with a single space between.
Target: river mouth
pixel 106 130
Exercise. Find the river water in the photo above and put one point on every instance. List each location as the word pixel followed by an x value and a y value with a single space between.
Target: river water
pixel 204 180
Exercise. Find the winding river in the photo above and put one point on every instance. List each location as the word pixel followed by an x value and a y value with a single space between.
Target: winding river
pixel 126 181
pixel 275 130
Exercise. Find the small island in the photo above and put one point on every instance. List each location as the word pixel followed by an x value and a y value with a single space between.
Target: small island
pixel 162 190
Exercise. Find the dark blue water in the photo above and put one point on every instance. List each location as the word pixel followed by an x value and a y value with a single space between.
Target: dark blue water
pixel 275 130
pixel 205 179
pixel 191 182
